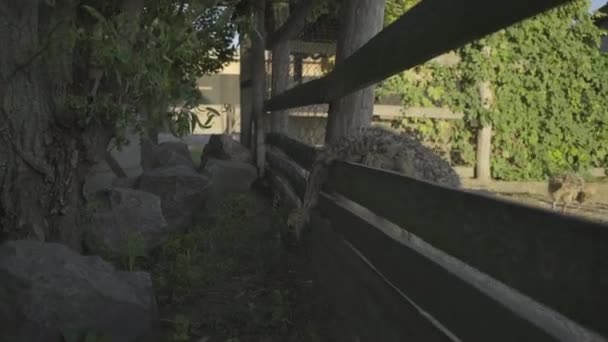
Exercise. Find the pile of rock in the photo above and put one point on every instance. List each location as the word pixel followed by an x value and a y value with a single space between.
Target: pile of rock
pixel 229 165
pixel 48 291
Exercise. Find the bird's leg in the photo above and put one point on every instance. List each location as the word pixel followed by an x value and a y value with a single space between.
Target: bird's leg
pixel 564 207
pixel 553 205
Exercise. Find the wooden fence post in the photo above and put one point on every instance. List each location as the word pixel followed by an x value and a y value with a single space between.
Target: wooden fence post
pixel 484 149
pixel 297 68
pixel 280 67
pixel 246 91
pixel 484 135
pixel 258 78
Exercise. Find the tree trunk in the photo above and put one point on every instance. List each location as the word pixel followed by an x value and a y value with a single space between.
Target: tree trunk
pixel 280 68
pixel 40 153
pixel 361 20
pixel 46 150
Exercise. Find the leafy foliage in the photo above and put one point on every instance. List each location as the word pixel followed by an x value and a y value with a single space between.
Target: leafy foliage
pixel 150 79
pixel 549 79
pixel 395 8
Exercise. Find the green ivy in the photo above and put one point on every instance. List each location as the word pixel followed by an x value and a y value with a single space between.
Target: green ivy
pixel 551 94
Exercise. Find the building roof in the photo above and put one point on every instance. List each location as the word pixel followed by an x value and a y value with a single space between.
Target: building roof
pixel 603 20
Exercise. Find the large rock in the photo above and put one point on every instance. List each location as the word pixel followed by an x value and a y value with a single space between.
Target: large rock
pixel 170 153
pixel 176 146
pixel 125 182
pixel 223 147
pixel 230 176
pixel 182 190
pixel 48 290
pixel 148 154
pixel 121 214
pixel 227 178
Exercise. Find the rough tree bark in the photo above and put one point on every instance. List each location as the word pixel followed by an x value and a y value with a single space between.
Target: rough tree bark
pixel 45 151
pixel 39 153
pixel 280 67
pixel 360 21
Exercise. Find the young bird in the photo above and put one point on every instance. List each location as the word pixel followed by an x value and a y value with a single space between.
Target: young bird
pixel 568 187
pixel 379 148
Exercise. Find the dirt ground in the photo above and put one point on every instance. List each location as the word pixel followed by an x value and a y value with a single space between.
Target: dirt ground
pixel 595 210
pixel 232 279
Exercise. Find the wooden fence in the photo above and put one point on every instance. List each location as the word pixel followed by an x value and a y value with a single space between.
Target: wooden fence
pixel 405 259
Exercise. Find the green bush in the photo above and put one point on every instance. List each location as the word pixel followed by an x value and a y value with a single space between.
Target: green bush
pixel 549 79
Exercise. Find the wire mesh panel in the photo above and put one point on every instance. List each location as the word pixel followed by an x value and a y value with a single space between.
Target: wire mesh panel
pixel 311 56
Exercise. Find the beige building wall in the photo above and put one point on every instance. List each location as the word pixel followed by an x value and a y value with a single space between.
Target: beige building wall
pixel 310 68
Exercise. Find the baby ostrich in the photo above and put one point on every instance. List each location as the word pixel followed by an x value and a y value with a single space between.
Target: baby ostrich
pixel 568 187
pixel 379 148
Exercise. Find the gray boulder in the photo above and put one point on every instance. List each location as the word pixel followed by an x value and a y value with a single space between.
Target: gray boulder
pixel 125 182
pixel 230 176
pixel 48 290
pixel 182 190
pixel 176 146
pixel 224 147
pixel 227 178
pixel 166 157
pixel 120 215
pixel 148 152
pixel 170 153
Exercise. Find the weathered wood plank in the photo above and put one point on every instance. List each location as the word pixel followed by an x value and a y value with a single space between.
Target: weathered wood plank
pixel 301 153
pixel 296 176
pixel 433 27
pixel 371 309
pixel 283 186
pixel 308 93
pixel 445 288
pixel 386 112
pixel 559 261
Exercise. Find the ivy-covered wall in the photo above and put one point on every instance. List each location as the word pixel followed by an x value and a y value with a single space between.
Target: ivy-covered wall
pixel 551 87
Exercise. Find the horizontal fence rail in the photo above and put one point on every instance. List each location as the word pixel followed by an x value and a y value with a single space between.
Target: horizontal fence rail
pixel 475 267
pixel 461 301
pixel 558 260
pixel 301 153
pixel 429 29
